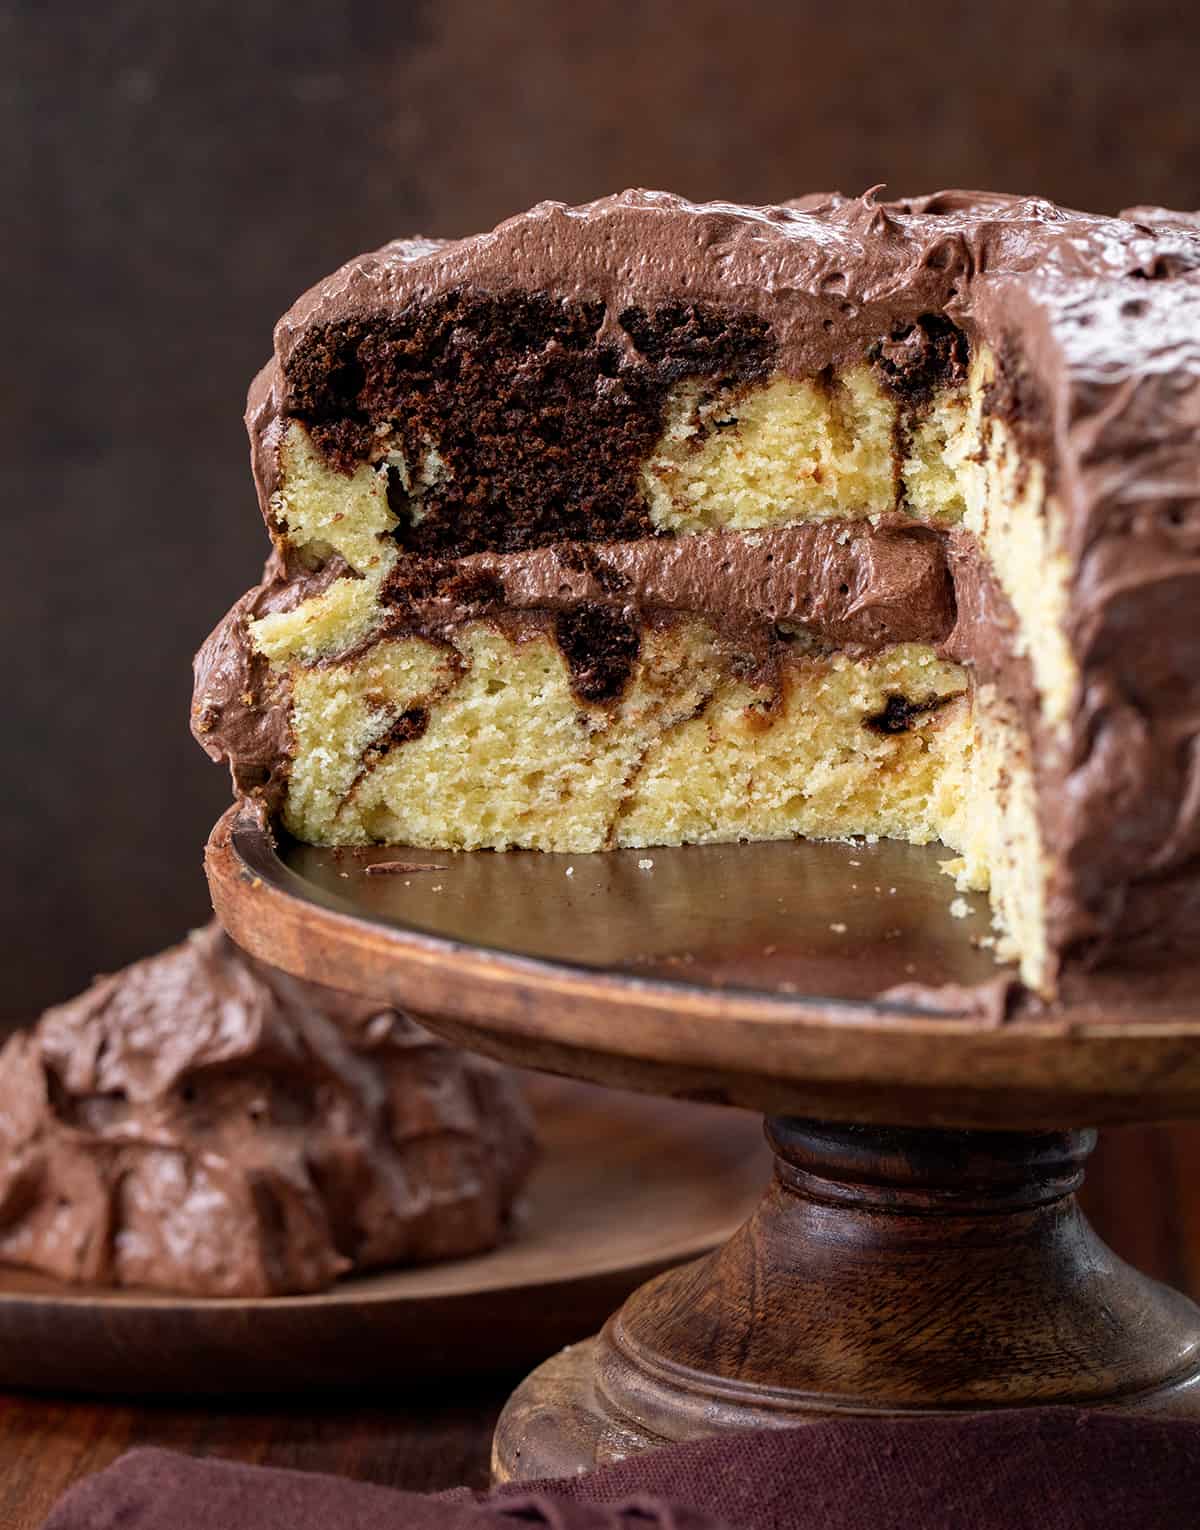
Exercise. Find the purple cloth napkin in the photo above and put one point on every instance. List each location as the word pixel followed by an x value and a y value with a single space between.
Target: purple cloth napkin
pixel 1036 1469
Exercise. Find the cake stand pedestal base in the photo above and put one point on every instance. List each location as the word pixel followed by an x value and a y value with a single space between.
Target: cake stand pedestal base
pixel 884 1271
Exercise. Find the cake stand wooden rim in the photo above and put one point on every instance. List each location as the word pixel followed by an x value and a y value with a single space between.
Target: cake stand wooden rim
pixel 842 1059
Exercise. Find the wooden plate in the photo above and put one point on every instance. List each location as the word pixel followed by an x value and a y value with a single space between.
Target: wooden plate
pixel 754 975
pixel 627 1186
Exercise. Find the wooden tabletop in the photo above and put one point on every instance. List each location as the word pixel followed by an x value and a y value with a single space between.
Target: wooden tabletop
pixel 1142 1194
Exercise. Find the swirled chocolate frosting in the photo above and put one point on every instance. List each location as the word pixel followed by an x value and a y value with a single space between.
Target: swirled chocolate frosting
pixel 202 1123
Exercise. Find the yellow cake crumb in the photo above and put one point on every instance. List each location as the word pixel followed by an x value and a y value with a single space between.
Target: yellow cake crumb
pixel 480 741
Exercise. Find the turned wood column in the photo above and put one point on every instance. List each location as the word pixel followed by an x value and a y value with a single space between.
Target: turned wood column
pixel 885 1270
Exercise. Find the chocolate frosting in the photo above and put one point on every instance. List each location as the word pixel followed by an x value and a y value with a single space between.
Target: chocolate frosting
pixel 1096 324
pixel 848 584
pixel 202 1123
pixel 240 711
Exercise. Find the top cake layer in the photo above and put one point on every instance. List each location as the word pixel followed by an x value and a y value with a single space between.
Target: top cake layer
pixel 535 362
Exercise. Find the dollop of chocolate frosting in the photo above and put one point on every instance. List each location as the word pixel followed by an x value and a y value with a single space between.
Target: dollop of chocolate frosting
pixel 202 1123
pixel 1096 324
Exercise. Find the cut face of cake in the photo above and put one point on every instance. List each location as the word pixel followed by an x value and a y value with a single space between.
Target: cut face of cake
pixel 649 523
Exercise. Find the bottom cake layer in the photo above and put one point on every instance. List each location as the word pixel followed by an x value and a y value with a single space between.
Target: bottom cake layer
pixel 485 742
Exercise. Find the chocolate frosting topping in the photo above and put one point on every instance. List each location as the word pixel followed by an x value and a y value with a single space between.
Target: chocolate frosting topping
pixel 200 1122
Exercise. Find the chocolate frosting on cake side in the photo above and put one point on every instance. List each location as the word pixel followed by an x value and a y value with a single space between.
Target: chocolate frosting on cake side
pixel 1095 322
pixel 200 1122
pixel 240 711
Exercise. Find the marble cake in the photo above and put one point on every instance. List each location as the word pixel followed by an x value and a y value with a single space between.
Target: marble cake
pixel 201 1122
pixel 647 523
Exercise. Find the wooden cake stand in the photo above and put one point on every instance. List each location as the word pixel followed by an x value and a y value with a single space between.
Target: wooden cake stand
pixel 920 1247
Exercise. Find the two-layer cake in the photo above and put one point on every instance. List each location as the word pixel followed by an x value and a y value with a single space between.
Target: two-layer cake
pixel 648 523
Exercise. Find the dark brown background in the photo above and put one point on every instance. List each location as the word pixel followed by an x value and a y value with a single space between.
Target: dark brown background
pixel 176 174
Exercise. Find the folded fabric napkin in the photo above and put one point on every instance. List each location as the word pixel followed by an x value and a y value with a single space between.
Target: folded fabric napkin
pixel 1046 1469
